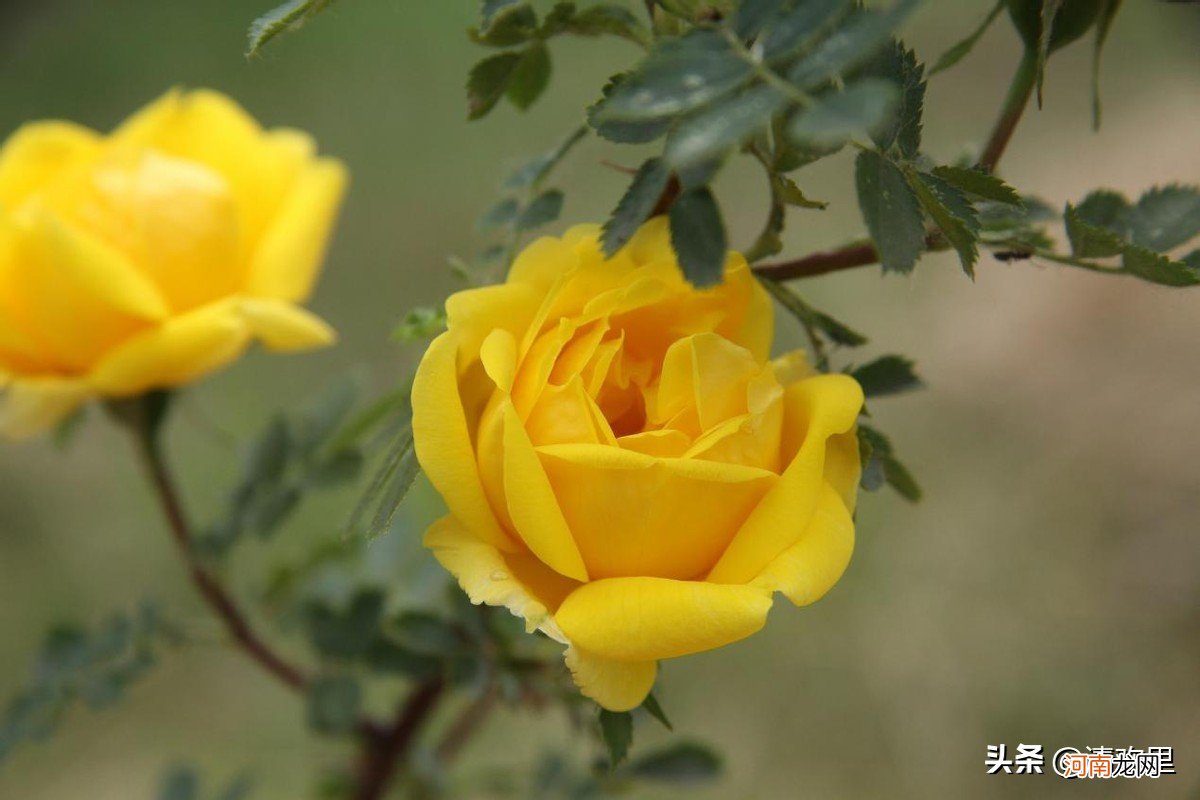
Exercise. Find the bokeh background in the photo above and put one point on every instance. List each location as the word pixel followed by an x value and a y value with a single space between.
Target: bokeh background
pixel 1046 591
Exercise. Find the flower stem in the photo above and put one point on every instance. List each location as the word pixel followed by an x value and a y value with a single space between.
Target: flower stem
pixel 467 724
pixel 385 749
pixel 141 422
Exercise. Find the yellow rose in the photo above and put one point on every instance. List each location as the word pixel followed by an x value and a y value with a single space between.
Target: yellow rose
pixel 623 465
pixel 147 258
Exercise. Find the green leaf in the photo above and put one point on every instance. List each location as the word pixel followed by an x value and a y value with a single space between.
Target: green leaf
pixel 542 210
pixel 334 702
pixel 488 81
pixel 958 51
pixel 270 507
pixel 789 156
pixel 268 456
pixel 655 710
pixel 181 783
pixel 834 331
pixel 880 466
pixel 1072 19
pixel 320 418
pixel 340 467
pixel 979 183
pixel 501 215
pixel 530 77
pixel 952 212
pixel 1156 268
pixel 721 126
pixel 505 24
pixel 286 17
pixel 1049 11
pixel 624 132
pixel 426 634
pixel 423 322
pixel 752 15
pixel 853 43
pixel 1108 12
pixel 698 237
pixel 800 27
pixel 398 484
pixel 887 375
pixel 635 205
pixel 899 65
pixel 793 195
pixel 535 171
pixel 608 19
pixel 616 730
pixel 862 108
pixel 1091 241
pixel 391 658
pixel 344 633
pixel 1106 209
pixel 679 75
pixel 890 210
pixel 387 488
pixel 75 665
pixel 1165 217
pixel 682 764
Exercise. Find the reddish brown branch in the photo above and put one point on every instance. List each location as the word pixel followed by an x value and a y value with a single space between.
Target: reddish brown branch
pixel 467 724
pixel 385 749
pixel 214 594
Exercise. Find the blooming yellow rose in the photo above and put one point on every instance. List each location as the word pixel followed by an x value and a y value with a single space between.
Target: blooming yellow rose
pixel 149 257
pixel 623 465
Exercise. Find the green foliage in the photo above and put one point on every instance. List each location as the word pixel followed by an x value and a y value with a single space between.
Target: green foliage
pixel 319 447
pixel 880 465
pixel 891 211
pixel 887 375
pixel 1047 25
pixel 899 65
pixel 680 764
pixel 722 85
pixel 636 204
pixel 652 707
pixel 334 704
pixel 818 326
pixel 951 212
pixel 283 18
pixel 959 50
pixel 978 183
pixel 77 666
pixel 698 237
pixel 522 75
pixel 1104 224
pixel 183 783
pixel 861 109
pixel 419 324
pixel 616 731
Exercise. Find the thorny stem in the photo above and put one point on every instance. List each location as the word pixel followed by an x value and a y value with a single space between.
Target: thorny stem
pixel 467 724
pixel 135 414
pixel 863 253
pixel 384 747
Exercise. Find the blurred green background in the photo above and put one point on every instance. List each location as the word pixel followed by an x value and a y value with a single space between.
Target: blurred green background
pixel 1046 591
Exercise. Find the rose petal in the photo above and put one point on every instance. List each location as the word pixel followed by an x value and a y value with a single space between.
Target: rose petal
pixel 646 619
pixel 810 567
pixel 632 514
pixel 814 410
